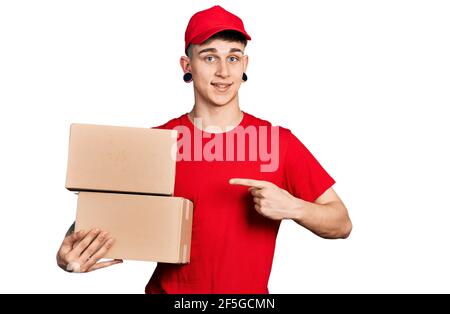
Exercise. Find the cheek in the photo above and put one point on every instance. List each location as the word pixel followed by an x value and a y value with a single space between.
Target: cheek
pixel 237 74
pixel 202 77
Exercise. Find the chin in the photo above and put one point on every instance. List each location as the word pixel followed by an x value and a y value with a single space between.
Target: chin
pixel 218 103
pixel 221 101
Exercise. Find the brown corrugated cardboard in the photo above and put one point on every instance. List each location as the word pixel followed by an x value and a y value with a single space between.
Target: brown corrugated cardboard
pixel 146 228
pixel 121 159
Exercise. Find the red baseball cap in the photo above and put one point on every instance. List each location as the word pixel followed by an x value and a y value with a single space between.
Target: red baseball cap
pixel 206 23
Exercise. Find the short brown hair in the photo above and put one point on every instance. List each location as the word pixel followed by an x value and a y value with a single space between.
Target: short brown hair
pixel 227 35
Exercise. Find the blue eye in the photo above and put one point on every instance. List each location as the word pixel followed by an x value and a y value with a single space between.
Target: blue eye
pixel 235 59
pixel 209 58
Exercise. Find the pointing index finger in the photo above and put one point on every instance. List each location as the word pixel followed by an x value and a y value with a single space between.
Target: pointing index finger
pixel 248 182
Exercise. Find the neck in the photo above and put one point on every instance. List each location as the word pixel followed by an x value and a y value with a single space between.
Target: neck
pixel 216 119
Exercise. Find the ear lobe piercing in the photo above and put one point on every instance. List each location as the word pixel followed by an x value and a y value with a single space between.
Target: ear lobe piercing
pixel 187 77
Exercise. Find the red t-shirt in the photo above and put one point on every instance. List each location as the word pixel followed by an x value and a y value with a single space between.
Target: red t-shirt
pixel 232 245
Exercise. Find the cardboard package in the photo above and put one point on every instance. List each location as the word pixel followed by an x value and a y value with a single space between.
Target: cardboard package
pixel 121 159
pixel 146 227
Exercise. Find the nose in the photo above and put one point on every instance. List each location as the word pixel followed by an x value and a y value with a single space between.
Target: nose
pixel 222 69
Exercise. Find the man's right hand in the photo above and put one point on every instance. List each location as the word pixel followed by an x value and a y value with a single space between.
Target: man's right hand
pixel 81 251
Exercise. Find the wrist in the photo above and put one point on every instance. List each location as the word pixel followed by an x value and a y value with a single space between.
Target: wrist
pixel 297 210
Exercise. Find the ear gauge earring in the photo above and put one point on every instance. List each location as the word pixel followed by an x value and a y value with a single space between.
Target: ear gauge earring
pixel 244 77
pixel 187 77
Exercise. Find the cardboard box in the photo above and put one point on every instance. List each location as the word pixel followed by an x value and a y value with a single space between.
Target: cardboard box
pixel 146 228
pixel 121 159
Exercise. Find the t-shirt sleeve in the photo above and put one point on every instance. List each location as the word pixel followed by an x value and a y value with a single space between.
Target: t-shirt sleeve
pixel 304 176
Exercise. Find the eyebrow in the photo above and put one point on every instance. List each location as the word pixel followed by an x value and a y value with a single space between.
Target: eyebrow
pixel 215 50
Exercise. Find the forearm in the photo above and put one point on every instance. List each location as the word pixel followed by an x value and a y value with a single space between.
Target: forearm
pixel 330 221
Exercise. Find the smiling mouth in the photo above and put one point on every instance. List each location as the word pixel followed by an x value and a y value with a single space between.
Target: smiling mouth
pixel 221 86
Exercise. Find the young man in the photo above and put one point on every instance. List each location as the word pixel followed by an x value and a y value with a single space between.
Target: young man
pixel 243 175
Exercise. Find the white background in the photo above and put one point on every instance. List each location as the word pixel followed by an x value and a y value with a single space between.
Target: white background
pixel 364 84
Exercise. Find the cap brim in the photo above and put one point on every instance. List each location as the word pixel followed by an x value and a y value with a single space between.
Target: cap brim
pixel 201 38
